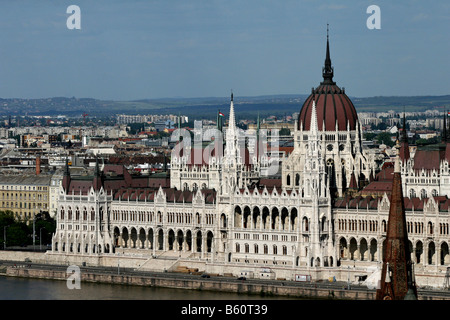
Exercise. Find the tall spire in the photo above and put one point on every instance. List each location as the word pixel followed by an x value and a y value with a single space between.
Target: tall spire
pixel 397 273
pixel 258 127
pixel 444 129
pixel 404 136
pixel 328 70
pixel 313 124
pixel 232 120
pixel 97 181
pixel 403 150
pixel 66 177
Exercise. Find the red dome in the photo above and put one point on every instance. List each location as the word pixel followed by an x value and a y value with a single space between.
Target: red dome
pixel 332 104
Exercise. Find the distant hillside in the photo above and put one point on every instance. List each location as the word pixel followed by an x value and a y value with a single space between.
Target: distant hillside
pixel 206 108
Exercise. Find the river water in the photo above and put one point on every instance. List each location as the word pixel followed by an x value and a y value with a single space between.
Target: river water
pixel 39 289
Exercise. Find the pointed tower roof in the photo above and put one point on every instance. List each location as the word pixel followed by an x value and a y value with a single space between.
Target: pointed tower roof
pixel 353 184
pixel 403 151
pixel 397 265
pixel 97 182
pixel 446 136
pixel 232 119
pixel 313 122
pixel 335 110
pixel 328 70
pixel 66 176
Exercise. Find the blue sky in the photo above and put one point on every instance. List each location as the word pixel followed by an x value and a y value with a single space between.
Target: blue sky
pixel 134 49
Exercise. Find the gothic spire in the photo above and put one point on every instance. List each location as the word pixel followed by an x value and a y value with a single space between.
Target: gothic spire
pixel 404 136
pixel 232 120
pixel 66 177
pixel 328 70
pixel 444 128
pixel 97 181
pixel 397 273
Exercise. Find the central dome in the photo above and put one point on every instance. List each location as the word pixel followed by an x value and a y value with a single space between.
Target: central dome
pixel 333 107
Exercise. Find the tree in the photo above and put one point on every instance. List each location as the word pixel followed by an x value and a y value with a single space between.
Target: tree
pixel 385 138
pixel 46 223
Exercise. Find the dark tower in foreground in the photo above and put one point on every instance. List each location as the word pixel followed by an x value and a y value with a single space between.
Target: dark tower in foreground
pixel 397 277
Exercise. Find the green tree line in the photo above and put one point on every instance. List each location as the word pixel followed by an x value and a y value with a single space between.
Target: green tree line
pixel 18 232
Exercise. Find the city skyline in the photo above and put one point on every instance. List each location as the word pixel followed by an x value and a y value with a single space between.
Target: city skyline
pixel 153 49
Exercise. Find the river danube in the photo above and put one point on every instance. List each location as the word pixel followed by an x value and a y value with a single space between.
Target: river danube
pixel 39 289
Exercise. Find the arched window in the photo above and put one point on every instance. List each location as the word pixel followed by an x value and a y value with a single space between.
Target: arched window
pixel 430 227
pixel 305 224
pixel 288 179
pixel 423 193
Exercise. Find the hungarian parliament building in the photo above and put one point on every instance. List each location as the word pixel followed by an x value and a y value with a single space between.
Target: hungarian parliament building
pixel 320 210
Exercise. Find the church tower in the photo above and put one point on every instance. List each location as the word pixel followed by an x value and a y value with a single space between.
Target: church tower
pixel 231 159
pixel 397 278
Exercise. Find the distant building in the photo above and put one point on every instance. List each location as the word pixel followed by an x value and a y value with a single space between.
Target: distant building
pixel 25 195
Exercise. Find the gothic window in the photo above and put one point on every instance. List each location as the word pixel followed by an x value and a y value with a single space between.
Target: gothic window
pixel 412 193
pixel 434 193
pixel 430 228
pixel 305 224
pixel 297 179
pixel 423 193
pixel 288 180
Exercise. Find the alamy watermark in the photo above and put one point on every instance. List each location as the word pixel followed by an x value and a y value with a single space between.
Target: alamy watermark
pixel 74 277
pixel 74 20
pixel 374 21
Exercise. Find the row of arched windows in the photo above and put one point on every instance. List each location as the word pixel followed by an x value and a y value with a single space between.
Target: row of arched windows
pixel 372 226
pixel 297 180
pixel 423 193
pixel 172 217
pixel 77 216
pixel 246 249
pixel 359 225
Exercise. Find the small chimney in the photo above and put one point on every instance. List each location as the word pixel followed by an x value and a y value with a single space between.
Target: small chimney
pixel 38 165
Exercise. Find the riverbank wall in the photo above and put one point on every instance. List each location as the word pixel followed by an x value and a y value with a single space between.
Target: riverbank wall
pixel 143 263
pixel 241 287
